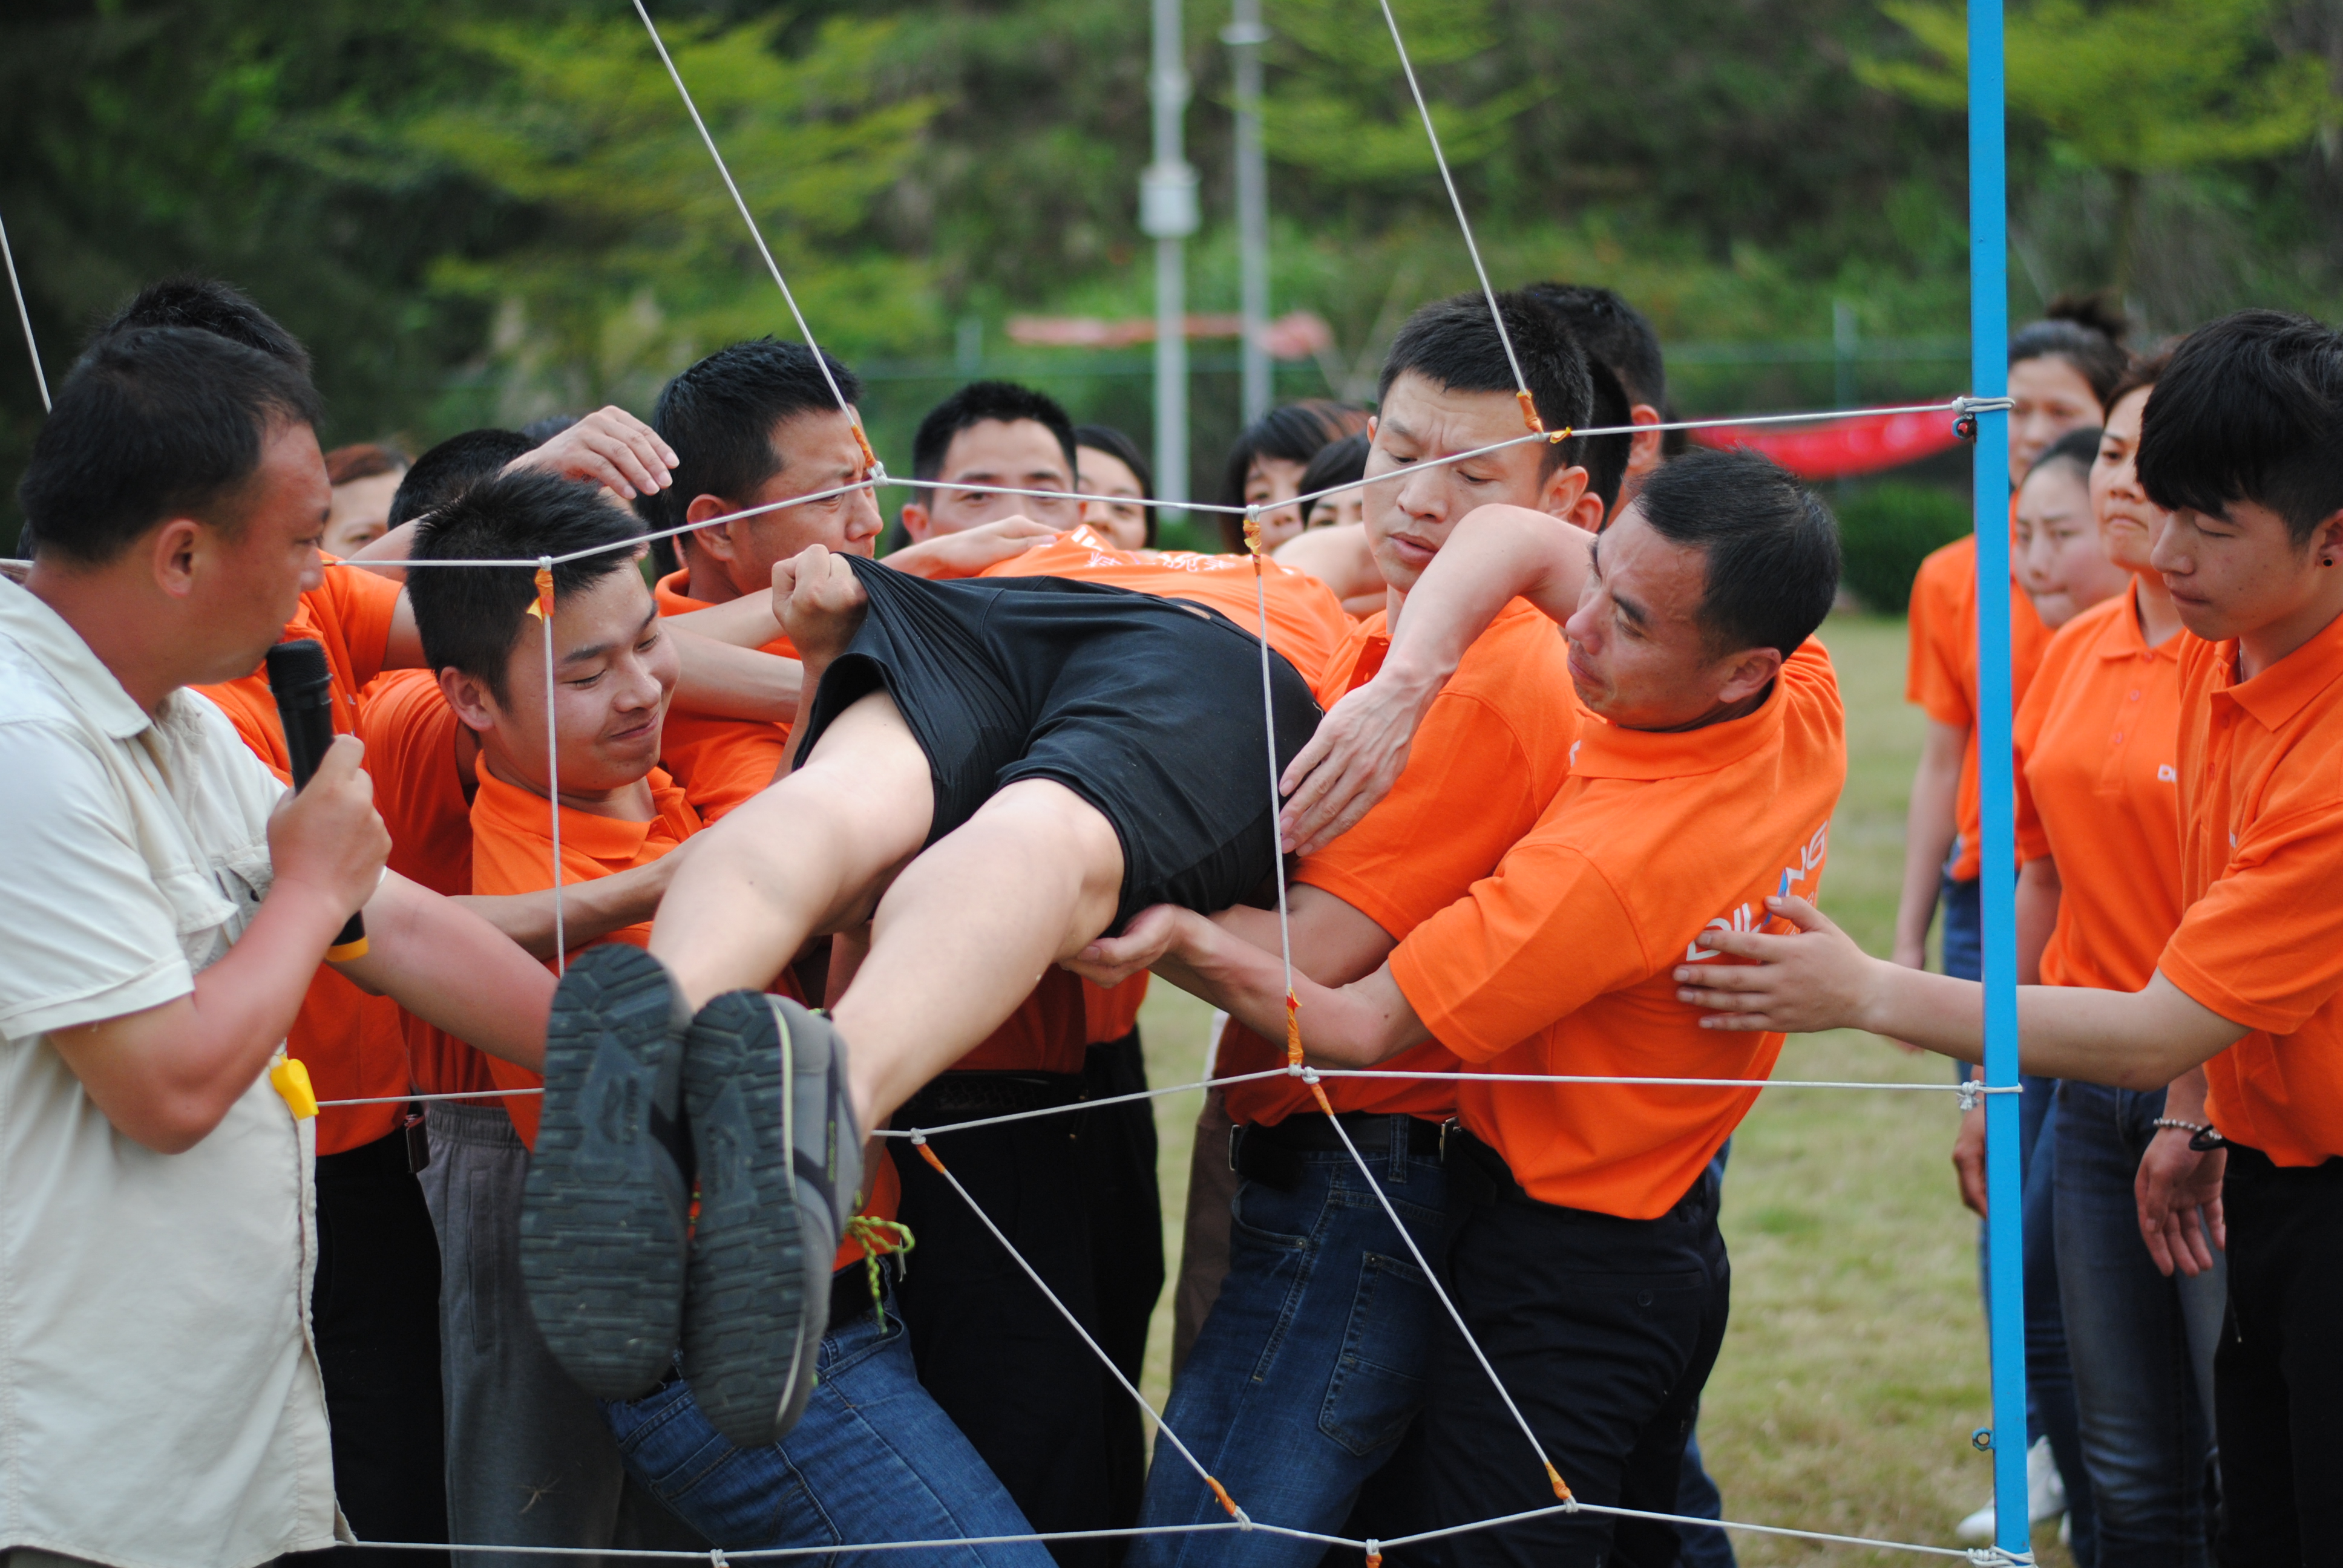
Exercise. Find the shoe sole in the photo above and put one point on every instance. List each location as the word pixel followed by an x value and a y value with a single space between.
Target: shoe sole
pixel 756 1300
pixel 603 1222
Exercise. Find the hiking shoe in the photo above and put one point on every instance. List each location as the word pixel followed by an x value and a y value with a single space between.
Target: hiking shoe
pixel 603 1220
pixel 780 1163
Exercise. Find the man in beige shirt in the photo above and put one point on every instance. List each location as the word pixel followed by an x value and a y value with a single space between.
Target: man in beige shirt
pixel 162 909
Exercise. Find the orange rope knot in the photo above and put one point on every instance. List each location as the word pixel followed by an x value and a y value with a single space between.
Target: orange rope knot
pixel 1374 1554
pixel 1223 1493
pixel 1560 1490
pixel 1557 438
pixel 1253 535
pixel 1293 1029
pixel 929 1155
pixel 870 458
pixel 1529 411
pixel 543 607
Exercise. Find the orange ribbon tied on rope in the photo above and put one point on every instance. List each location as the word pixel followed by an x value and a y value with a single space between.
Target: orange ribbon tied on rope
pixel 543 607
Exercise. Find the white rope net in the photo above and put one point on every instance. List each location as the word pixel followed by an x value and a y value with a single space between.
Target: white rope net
pixel 875 477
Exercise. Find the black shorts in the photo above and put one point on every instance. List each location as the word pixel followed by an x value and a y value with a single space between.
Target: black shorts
pixel 1149 708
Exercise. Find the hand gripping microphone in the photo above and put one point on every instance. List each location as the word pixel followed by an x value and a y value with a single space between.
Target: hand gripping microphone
pixel 304 688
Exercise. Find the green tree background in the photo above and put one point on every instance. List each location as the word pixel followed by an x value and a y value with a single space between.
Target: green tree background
pixel 478 211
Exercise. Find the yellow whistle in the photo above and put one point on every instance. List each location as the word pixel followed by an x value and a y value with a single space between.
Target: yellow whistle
pixel 290 1077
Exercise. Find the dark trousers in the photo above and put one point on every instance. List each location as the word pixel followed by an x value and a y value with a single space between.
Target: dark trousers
pixel 1604 1330
pixel 1116 1144
pixel 2277 1376
pixel 375 1311
pixel 989 1347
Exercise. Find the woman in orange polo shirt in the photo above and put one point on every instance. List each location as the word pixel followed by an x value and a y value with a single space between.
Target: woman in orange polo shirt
pixel 2098 831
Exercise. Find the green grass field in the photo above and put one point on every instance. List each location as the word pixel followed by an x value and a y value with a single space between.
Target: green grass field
pixel 1855 1370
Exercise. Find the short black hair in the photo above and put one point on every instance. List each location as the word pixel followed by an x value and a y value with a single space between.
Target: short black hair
pixel 1604 458
pixel 1612 332
pixel 1342 463
pixel 2085 332
pixel 469 618
pixel 1455 343
pixel 1291 433
pixel 974 403
pixel 152 423
pixel 2078 447
pixel 208 305
pixel 1123 449
pixel 453 466
pixel 1772 545
pixel 719 416
pixel 2250 409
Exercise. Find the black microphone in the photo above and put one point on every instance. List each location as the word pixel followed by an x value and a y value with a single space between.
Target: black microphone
pixel 303 685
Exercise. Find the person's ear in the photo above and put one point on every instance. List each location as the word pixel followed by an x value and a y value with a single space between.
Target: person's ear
pixel 1643 450
pixel 174 552
pixel 1747 673
pixel 1563 494
pixel 916 521
pixel 716 541
pixel 467 696
pixel 2327 539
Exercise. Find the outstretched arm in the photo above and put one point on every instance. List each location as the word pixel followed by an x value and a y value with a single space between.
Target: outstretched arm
pixel 453 970
pixel 1817 979
pixel 1495 555
pixel 1360 1024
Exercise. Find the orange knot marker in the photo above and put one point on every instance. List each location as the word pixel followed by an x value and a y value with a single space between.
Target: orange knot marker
pixel 1293 1029
pixel 929 1155
pixel 870 458
pixel 1223 1493
pixel 1529 412
pixel 1560 1490
pixel 1374 1554
pixel 543 607
pixel 1318 1092
pixel 1252 534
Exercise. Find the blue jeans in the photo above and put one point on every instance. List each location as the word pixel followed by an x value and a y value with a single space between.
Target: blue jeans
pixel 874 1460
pixel 2141 1344
pixel 1311 1366
pixel 2050 1382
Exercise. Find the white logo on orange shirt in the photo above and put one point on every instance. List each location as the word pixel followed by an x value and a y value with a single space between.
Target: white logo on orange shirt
pixel 1804 879
pixel 2164 774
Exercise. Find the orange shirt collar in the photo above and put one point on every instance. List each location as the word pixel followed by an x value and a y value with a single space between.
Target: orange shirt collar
pixel 2129 641
pixel 668 596
pixel 1604 750
pixel 2280 692
pixel 605 839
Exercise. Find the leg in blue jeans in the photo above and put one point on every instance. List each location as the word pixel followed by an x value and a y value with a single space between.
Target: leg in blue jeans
pixel 2141 1345
pixel 1311 1365
pixel 2049 1380
pixel 874 1460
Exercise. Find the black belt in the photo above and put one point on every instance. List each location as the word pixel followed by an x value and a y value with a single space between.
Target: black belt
pixel 1478 1174
pixel 1273 1155
pixel 967 1096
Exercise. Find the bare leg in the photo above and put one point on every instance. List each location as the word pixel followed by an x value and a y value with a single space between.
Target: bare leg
pixel 967 931
pixel 805 857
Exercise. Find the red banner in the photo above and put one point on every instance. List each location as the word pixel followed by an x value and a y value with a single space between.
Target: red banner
pixel 1842 448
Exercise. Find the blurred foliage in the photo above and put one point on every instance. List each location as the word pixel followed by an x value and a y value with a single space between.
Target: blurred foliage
pixel 1885 530
pixel 479 210
pixel 2132 87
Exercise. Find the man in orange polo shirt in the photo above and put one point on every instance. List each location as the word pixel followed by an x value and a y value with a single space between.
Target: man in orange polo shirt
pixel 2243 442
pixel 1584 1257
pixel 615 671
pixel 1291 1322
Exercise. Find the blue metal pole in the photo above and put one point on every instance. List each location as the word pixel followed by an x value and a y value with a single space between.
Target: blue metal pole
pixel 1989 377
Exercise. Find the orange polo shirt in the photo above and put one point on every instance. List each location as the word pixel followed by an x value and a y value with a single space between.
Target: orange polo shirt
pixel 1110 1012
pixel 2261 856
pixel 512 852
pixel 1559 962
pixel 2098 791
pixel 1306 623
pixel 350 1042
pixel 410 734
pixel 719 762
pixel 1941 675
pixel 1492 751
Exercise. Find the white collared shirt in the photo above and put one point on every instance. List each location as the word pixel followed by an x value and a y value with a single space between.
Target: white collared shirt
pixel 160 1401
